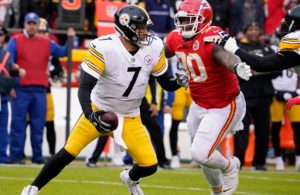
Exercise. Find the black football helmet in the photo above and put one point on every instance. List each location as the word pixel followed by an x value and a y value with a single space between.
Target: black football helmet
pixel 291 21
pixel 128 19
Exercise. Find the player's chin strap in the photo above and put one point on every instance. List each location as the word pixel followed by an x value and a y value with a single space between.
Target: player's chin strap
pixel 242 70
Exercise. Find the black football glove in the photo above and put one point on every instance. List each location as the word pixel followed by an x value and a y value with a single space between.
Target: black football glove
pixel 224 37
pixel 95 119
pixel 182 80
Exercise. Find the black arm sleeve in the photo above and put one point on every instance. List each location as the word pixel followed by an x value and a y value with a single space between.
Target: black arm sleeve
pixel 273 62
pixel 152 85
pixel 86 84
pixel 167 82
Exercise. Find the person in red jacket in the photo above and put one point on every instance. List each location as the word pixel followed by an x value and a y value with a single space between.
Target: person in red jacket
pixel 31 52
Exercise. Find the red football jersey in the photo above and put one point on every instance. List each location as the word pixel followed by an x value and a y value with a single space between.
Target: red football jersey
pixel 211 84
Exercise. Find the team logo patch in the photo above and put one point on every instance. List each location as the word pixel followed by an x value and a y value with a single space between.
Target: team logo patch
pixel 196 45
pixel 148 60
pixel 124 19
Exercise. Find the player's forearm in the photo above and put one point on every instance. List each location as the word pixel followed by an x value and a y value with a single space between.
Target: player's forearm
pixel 225 57
pixel 271 62
pixel 86 85
pixel 167 82
pixel 152 84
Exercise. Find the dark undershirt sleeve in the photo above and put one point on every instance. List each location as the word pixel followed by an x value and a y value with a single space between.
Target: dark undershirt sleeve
pixel 86 85
pixel 273 62
pixel 152 84
pixel 167 82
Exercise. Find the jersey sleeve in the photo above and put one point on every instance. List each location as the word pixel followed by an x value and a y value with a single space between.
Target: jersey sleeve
pixel 161 65
pixel 211 34
pixel 93 62
pixel 290 42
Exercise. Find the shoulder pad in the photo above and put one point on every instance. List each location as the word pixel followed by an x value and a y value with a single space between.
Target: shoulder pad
pixel 157 43
pixel 290 42
pixel 213 33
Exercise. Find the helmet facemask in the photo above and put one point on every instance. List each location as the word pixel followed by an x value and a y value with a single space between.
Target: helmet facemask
pixel 291 21
pixel 188 23
pixel 286 27
pixel 143 36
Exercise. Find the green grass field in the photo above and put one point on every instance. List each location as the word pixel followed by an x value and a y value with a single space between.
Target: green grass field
pixel 79 180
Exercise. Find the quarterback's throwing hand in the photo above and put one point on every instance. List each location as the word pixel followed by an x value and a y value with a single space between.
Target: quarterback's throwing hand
pixel 182 80
pixel 242 70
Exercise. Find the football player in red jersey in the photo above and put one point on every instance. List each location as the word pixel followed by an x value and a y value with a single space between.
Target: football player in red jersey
pixel 218 105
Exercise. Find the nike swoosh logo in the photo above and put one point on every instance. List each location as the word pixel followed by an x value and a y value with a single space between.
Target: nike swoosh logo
pixel 227 190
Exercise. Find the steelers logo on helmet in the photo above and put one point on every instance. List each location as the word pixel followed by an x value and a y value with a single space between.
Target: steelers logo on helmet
pixel 124 19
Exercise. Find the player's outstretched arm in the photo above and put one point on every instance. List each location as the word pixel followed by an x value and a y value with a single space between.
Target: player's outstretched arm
pixel 273 62
pixel 232 62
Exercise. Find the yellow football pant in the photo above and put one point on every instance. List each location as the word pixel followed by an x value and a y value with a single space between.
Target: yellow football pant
pixel 50 108
pixel 134 135
pixel 278 110
pixel 182 99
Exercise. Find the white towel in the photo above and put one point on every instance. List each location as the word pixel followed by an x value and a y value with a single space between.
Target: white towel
pixel 118 134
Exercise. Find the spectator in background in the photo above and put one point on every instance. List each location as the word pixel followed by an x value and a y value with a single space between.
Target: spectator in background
pixel 32 53
pixel 56 73
pixel 274 11
pixel 286 86
pixel 40 7
pixel 7 92
pixel 245 12
pixel 4 5
pixel 90 16
pixel 258 93
pixel 162 15
pixel 222 13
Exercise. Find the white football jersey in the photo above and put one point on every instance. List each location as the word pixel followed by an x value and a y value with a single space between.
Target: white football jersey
pixel 286 82
pixel 291 42
pixel 122 77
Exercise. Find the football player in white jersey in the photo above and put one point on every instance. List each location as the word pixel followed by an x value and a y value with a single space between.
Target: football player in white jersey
pixel 115 74
pixel 286 86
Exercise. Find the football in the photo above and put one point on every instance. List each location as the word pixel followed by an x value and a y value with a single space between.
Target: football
pixel 110 118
